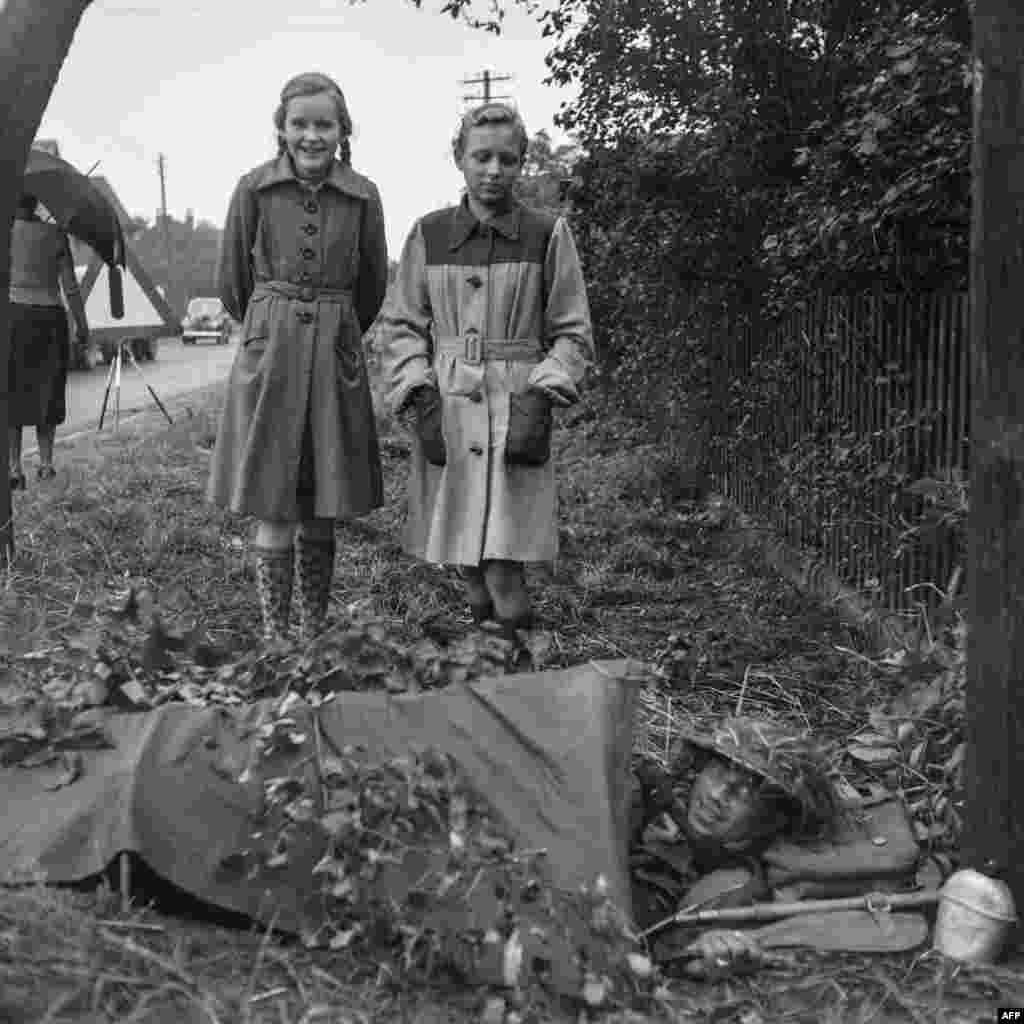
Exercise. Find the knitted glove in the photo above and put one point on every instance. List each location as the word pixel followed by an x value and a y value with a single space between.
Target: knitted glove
pixel 427 404
pixel 528 442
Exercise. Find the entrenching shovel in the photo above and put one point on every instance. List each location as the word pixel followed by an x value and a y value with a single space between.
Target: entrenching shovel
pixel 845 931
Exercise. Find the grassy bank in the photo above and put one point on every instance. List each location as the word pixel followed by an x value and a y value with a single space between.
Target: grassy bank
pixel 643 573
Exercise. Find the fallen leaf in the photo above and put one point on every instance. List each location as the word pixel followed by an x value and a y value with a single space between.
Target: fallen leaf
pixel 68 768
pixel 84 736
pixel 512 960
pixel 640 965
pixel 493 1011
pixel 873 755
pixel 134 691
pixel 595 990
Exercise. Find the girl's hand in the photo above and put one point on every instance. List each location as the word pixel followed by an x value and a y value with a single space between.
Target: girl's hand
pixel 427 403
pixel 529 428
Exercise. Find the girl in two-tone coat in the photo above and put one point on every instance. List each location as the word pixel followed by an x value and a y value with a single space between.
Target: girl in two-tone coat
pixel 486 327
pixel 304 268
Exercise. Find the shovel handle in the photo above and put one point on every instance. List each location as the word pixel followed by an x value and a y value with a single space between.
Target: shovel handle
pixel 877 902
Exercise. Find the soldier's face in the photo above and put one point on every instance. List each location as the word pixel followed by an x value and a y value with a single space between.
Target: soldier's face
pixel 724 803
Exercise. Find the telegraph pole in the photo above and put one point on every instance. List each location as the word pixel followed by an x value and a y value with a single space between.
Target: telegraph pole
pixel 171 289
pixel 993 835
pixel 485 79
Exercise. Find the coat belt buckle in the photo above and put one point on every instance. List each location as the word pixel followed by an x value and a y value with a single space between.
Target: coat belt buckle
pixel 473 349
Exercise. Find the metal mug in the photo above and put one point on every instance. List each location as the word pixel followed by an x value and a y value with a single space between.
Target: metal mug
pixel 974 917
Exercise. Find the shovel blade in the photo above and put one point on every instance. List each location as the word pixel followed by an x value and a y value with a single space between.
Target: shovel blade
pixel 849 931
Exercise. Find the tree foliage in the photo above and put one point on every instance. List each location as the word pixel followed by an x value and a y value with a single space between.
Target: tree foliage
pixel 547 173
pixel 193 256
pixel 741 159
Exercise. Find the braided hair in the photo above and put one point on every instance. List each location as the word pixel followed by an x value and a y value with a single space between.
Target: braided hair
pixel 310 83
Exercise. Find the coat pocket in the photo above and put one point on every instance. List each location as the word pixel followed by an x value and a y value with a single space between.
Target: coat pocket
pixel 256 326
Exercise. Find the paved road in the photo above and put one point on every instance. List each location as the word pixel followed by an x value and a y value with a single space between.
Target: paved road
pixel 178 368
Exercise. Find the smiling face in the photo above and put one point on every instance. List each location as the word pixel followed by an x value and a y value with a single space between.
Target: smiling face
pixel 725 805
pixel 311 134
pixel 491 162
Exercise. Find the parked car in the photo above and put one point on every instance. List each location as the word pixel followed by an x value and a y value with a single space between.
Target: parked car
pixel 206 319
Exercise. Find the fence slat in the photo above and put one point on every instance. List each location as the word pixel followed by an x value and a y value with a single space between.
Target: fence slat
pixel 890 371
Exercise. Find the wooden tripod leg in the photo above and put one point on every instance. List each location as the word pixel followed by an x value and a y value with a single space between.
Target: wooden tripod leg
pixel 117 390
pixel 156 398
pixel 124 864
pixel 106 395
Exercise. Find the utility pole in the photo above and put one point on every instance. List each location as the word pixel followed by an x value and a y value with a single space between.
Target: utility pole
pixel 485 79
pixel 993 834
pixel 171 289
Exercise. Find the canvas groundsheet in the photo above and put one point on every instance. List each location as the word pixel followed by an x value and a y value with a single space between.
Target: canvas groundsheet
pixel 182 787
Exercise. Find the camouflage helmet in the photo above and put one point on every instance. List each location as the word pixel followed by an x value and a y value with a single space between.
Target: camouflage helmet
pixel 787 758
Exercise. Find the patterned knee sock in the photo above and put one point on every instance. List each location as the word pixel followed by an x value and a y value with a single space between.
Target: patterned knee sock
pixel 275 568
pixel 315 569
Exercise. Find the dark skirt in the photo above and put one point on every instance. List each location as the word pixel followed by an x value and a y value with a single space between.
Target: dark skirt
pixel 38 366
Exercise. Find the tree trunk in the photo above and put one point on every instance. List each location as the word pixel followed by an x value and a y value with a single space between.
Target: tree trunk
pixel 34 40
pixel 994 818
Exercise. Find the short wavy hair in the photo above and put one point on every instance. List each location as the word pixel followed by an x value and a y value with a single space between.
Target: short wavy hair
pixel 310 83
pixel 489 113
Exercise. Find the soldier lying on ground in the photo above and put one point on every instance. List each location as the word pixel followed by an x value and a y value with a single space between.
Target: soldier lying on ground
pixel 748 814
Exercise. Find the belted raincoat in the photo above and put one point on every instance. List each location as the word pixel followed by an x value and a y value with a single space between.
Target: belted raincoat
pixel 484 310
pixel 305 270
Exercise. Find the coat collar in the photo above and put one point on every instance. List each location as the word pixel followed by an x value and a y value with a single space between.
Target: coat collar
pixel 464 223
pixel 340 177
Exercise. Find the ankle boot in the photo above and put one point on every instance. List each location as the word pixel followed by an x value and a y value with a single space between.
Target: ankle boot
pixel 275 568
pixel 315 570
pixel 481 607
pixel 519 659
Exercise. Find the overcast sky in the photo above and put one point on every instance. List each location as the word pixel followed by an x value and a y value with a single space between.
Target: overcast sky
pixel 199 83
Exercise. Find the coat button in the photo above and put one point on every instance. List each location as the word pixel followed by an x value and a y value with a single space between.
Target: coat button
pixel 305 317
pixel 476 449
pixel 306 294
pixel 311 206
pixel 475 396
pixel 310 229
pixel 475 280
pixel 305 275
pixel 307 253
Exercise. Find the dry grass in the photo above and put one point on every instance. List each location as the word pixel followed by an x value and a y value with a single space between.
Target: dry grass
pixel 643 573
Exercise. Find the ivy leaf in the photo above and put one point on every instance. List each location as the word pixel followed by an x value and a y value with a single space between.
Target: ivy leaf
pixel 877 756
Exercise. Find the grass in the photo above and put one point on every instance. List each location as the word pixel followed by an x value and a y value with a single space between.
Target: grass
pixel 643 572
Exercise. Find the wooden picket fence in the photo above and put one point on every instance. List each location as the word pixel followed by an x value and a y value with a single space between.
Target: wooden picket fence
pixel 882 380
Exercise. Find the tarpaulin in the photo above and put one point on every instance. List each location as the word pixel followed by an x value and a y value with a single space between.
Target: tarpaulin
pixel 549 751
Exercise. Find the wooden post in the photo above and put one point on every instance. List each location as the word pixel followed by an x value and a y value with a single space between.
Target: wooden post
pixel 994 833
pixel 34 40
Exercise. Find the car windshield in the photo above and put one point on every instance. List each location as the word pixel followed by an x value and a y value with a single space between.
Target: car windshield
pixel 205 307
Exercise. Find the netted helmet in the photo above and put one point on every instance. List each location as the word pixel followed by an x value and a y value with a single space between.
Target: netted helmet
pixel 785 757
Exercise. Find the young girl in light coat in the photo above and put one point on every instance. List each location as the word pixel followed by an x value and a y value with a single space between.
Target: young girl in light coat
pixel 486 328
